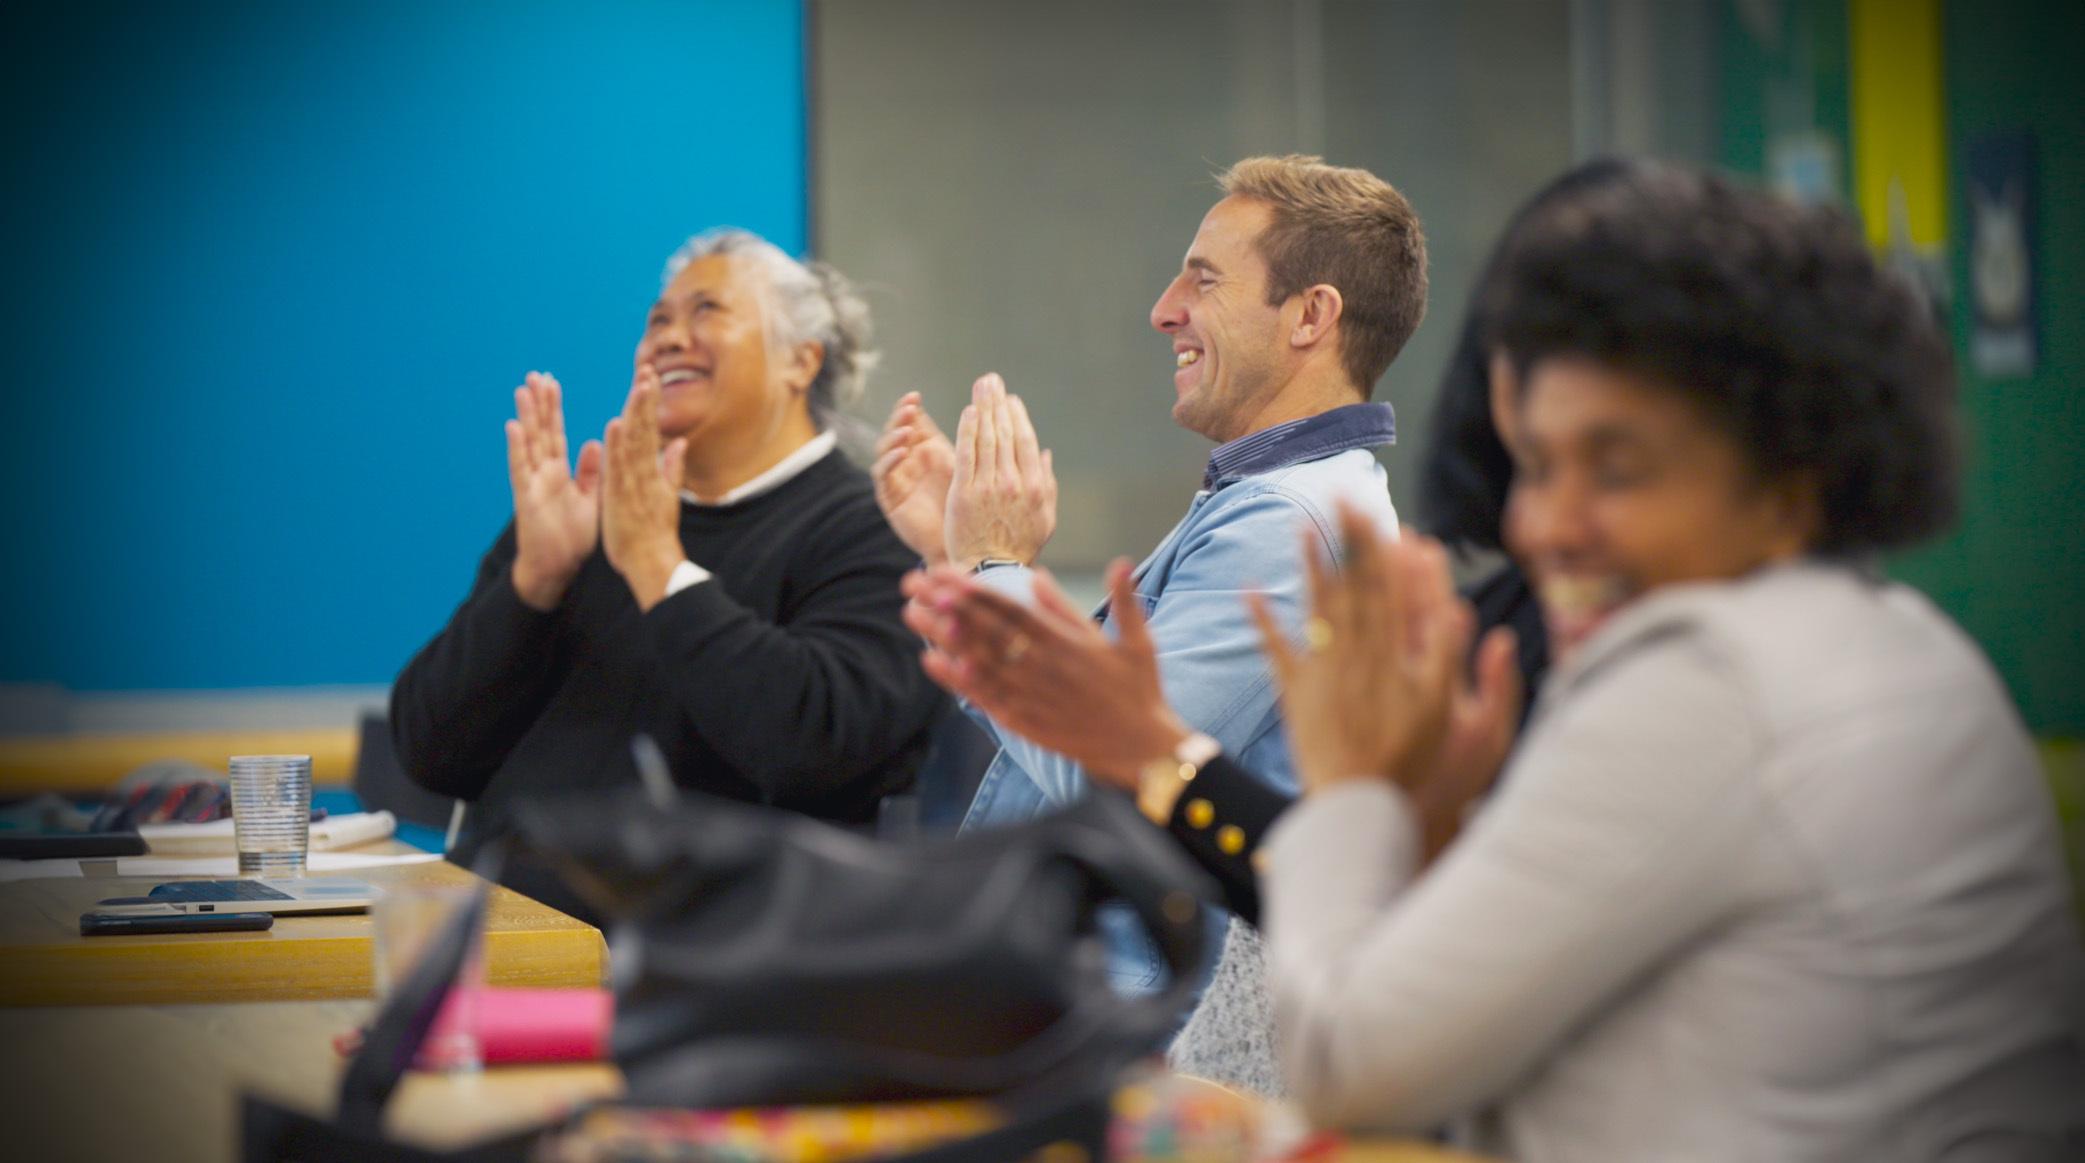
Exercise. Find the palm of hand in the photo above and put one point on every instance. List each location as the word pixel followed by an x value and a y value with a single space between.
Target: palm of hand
pixel 555 524
pixel 914 495
pixel 1342 723
pixel 1003 497
pixel 1371 695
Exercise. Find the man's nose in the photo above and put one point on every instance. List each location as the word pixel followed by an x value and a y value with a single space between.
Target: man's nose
pixel 1168 314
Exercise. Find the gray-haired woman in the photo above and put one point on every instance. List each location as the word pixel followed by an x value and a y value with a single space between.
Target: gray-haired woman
pixel 714 573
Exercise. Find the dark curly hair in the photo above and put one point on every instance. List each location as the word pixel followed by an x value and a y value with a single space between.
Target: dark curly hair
pixel 1771 316
pixel 1465 470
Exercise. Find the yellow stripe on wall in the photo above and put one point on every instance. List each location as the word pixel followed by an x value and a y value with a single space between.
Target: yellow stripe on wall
pixel 1899 130
pixel 93 763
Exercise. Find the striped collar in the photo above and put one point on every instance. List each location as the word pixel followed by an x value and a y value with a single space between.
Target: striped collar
pixel 1311 438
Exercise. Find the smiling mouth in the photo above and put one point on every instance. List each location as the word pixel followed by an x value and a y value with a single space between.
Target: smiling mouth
pixel 1187 358
pixel 1576 606
pixel 679 376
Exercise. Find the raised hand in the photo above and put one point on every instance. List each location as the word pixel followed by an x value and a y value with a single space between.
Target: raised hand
pixel 1370 694
pixel 556 514
pixel 640 495
pixel 1002 501
pixel 914 465
pixel 1047 672
pixel 1483 716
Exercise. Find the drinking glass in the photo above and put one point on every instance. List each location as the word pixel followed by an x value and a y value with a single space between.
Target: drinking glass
pixel 271 813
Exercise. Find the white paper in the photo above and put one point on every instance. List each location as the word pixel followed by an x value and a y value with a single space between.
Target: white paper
pixel 216 836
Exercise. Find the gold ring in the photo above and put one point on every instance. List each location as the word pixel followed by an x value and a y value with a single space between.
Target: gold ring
pixel 1015 648
pixel 1317 633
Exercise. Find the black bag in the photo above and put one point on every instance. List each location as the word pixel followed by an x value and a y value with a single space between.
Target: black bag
pixel 764 958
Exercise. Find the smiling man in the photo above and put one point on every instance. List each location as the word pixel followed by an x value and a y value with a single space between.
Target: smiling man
pixel 1299 288
pixel 734 594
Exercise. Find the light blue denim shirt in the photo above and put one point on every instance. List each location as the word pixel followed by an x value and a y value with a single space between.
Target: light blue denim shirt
pixel 1242 533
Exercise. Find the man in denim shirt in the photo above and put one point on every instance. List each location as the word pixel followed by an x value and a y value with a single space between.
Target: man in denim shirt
pixel 1298 290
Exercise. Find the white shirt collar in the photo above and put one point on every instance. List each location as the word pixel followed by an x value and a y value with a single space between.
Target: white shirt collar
pixel 789 466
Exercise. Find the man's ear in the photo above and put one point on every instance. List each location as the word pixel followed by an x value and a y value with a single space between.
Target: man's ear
pixel 1322 308
pixel 804 361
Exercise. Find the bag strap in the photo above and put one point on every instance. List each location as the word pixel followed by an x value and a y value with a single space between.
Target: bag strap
pixel 271 1133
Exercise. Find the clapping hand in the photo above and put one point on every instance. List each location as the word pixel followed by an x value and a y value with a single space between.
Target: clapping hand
pixel 640 498
pixel 556 514
pixel 1048 672
pixel 915 464
pixel 1483 717
pixel 1002 500
pixel 1378 690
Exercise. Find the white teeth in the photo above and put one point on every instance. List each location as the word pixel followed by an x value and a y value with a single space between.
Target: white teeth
pixel 677 376
pixel 1577 595
pixel 1187 357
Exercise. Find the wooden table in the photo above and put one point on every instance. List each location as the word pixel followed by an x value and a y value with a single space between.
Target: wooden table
pixel 45 962
pixel 162 1083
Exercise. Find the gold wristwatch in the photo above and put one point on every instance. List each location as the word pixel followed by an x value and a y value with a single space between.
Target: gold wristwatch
pixel 1161 781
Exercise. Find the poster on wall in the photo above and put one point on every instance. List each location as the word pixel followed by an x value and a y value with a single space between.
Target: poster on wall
pixel 1804 165
pixel 1897 97
pixel 2002 337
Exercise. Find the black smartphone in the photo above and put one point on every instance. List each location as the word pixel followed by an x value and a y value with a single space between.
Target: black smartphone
pixel 70 845
pixel 124 924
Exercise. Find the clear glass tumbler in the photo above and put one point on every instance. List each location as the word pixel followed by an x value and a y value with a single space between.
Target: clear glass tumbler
pixel 271 813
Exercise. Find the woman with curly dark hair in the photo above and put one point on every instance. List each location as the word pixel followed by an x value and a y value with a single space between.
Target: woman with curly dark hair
pixel 1465 469
pixel 1773 874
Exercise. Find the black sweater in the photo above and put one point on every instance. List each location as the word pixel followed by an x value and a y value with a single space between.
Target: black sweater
pixel 785 679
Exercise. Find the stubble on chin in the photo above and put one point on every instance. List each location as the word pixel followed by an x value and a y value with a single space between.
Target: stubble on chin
pixel 1202 412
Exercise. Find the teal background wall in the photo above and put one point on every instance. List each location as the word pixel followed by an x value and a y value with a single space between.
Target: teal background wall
pixel 2013 571
pixel 273 270
pixel 1791 80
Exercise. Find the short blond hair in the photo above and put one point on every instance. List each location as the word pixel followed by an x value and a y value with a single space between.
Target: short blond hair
pixel 1347 228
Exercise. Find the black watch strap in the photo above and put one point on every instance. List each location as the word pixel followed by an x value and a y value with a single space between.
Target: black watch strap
pixel 993 563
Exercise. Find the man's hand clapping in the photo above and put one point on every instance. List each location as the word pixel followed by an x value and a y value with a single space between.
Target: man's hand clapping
pixel 1002 500
pixel 915 464
pixel 556 514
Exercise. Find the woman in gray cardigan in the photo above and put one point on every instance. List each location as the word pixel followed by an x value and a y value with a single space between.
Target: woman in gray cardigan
pixel 1774 874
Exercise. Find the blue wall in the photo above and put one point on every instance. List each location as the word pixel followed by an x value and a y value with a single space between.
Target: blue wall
pixel 273 271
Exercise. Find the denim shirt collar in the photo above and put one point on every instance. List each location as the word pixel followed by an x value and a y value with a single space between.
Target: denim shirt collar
pixel 1311 438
